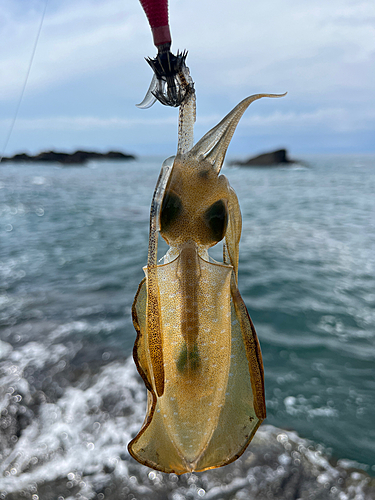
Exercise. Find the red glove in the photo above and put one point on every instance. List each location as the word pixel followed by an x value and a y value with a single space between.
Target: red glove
pixel 157 15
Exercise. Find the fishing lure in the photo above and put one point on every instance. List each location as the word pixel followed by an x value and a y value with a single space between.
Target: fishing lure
pixel 196 348
pixel 168 84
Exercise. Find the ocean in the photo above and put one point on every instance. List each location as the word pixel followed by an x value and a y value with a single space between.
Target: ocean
pixel 73 242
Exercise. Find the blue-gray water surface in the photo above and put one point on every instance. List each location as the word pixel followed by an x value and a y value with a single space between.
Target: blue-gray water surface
pixel 72 245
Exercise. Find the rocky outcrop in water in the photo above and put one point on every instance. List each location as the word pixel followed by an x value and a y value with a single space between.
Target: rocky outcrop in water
pixel 76 158
pixel 274 158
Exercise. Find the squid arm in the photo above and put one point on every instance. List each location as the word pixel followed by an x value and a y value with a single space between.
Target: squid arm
pixel 155 344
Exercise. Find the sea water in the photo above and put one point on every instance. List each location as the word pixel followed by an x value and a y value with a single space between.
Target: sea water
pixel 72 245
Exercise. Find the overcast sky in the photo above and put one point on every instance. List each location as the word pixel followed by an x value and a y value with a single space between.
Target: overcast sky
pixel 89 72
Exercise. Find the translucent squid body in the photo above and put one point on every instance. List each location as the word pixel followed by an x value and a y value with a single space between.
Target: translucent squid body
pixel 196 347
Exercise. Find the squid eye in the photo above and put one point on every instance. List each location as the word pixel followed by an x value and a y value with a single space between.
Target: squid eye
pixel 170 210
pixel 216 218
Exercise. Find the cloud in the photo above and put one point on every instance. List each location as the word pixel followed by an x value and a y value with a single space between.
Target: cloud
pixel 87 123
pixel 78 38
pixel 277 42
pixel 298 43
pixel 329 119
pixel 322 53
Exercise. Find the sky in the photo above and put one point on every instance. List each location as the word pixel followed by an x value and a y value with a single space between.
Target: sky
pixel 89 71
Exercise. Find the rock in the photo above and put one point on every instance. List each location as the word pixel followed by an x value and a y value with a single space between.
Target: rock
pixel 76 158
pixel 279 157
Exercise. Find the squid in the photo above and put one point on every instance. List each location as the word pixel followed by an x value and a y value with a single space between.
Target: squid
pixel 196 348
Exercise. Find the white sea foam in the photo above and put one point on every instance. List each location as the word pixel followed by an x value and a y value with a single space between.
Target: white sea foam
pixel 5 349
pixel 76 434
pixel 79 442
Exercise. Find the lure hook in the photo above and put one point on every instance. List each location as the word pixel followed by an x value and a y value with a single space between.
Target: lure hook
pixel 171 82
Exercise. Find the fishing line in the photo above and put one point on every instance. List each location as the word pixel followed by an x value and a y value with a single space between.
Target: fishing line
pixel 24 83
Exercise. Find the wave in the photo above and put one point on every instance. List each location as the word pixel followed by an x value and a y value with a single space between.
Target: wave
pixel 75 443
